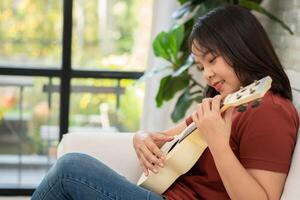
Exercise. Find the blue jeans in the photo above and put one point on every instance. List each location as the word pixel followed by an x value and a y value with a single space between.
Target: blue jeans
pixel 81 177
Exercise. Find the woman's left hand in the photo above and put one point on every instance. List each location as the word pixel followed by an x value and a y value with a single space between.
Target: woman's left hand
pixel 214 127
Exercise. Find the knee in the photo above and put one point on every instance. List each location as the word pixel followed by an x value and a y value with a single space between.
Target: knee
pixel 70 162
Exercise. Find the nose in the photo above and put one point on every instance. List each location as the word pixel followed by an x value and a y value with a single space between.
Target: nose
pixel 208 73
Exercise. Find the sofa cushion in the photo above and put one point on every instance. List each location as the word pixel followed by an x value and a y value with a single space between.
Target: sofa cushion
pixel 113 149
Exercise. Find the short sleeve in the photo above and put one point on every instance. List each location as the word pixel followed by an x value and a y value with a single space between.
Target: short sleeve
pixel 268 139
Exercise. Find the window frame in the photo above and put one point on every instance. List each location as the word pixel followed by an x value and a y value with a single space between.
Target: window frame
pixel 66 73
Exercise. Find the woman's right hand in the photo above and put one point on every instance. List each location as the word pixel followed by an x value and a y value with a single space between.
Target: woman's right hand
pixel 147 147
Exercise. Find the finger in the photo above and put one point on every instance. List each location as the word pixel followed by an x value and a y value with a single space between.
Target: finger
pixel 161 137
pixel 143 149
pixel 228 115
pixel 199 112
pixel 144 168
pixel 215 104
pixel 195 117
pixel 161 161
pixel 149 155
pixel 153 148
pixel 148 165
pixel 206 104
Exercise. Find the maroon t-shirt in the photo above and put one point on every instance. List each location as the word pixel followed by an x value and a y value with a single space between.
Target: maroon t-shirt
pixel 261 138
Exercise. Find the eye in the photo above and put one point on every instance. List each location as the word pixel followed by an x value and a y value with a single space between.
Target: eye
pixel 213 59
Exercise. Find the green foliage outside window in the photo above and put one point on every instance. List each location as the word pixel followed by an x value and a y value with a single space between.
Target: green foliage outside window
pixel 31 35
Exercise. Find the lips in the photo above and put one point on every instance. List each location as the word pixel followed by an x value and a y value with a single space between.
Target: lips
pixel 218 85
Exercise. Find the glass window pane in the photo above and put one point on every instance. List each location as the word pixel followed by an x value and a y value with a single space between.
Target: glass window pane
pixel 105 105
pixel 111 34
pixel 30 33
pixel 29 114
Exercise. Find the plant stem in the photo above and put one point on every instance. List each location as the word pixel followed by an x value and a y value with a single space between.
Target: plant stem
pixel 198 91
pixel 196 83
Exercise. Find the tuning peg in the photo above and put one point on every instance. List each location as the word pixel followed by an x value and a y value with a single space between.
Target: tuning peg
pixel 252 90
pixel 256 82
pixel 238 96
pixel 242 89
pixel 242 108
pixel 255 103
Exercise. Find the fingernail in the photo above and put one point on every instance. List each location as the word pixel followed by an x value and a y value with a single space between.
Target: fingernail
pixel 155 170
pixel 161 164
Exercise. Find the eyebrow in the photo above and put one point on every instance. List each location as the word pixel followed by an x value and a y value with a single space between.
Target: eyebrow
pixel 202 56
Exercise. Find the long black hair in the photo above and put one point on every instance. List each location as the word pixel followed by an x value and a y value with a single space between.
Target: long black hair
pixel 234 33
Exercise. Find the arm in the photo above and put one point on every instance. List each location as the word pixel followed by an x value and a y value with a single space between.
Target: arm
pixel 176 129
pixel 246 183
pixel 240 182
pixel 147 147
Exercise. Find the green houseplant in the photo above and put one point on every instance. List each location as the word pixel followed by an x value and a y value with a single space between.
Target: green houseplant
pixel 171 46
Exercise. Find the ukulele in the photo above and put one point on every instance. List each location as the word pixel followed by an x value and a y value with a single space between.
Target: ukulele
pixel 190 145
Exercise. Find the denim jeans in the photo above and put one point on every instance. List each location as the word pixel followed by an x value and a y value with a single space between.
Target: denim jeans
pixel 81 177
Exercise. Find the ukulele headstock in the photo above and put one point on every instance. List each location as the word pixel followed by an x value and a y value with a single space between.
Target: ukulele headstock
pixel 253 92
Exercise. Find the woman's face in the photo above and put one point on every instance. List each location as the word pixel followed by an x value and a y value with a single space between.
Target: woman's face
pixel 217 72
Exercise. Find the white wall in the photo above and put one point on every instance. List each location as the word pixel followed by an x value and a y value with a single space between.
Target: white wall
pixel 287 46
pixel 155 119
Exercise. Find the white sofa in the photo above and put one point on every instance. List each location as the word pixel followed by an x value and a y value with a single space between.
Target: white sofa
pixel 116 150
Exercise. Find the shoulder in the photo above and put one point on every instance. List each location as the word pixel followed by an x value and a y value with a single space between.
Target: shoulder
pixel 271 107
pixel 273 112
pixel 267 134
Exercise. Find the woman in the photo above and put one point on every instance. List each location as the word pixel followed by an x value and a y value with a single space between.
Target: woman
pixel 248 154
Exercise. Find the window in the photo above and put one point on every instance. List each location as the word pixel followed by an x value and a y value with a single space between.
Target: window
pixel 30 33
pixel 66 66
pixel 27 147
pixel 111 34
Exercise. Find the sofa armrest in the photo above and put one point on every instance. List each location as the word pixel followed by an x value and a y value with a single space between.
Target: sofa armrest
pixel 113 149
pixel 291 189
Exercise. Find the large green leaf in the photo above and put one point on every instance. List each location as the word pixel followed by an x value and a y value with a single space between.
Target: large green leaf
pixel 167 44
pixel 188 63
pixel 198 98
pixel 169 86
pixel 178 33
pixel 182 104
pixel 160 44
pixel 183 1
pixel 257 1
pixel 209 5
pixel 252 5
